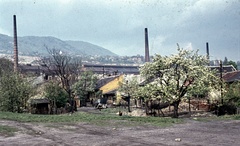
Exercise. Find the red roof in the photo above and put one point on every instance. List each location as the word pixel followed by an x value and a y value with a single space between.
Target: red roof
pixel 232 76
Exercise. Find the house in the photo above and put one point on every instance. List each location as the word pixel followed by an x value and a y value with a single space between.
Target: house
pixel 108 87
pixel 229 73
pixel 111 87
pixel 231 77
pixel 225 68
pixel 39 106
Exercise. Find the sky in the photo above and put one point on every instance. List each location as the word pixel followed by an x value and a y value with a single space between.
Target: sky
pixel 118 25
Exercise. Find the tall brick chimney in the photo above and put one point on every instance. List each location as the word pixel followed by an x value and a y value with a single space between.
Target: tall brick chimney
pixel 147 58
pixel 207 49
pixel 15 45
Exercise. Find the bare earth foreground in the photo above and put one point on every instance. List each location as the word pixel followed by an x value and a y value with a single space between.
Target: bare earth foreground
pixel 190 133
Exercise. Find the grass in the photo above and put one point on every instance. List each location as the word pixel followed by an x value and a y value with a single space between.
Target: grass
pixel 7 130
pixel 225 117
pixel 105 118
pixel 230 117
pixel 237 117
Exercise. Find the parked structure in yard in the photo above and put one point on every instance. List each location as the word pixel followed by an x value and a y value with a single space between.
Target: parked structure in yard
pixel 39 106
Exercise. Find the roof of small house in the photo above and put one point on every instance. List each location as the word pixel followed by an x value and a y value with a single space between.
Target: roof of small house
pixel 111 85
pixel 225 68
pixel 104 81
pixel 231 76
pixel 39 101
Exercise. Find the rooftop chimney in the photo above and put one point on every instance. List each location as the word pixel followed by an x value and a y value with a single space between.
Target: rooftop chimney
pixel 147 59
pixel 15 47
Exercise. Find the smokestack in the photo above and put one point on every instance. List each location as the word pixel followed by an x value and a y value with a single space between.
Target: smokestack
pixel 147 59
pixel 207 50
pixel 208 53
pixel 15 44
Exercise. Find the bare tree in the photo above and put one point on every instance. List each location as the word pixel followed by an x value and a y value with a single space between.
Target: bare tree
pixel 66 68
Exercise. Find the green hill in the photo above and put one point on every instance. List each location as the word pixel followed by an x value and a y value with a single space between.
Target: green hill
pixel 35 46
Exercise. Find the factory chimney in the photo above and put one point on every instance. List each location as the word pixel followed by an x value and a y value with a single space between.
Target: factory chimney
pixel 147 59
pixel 207 50
pixel 208 58
pixel 15 47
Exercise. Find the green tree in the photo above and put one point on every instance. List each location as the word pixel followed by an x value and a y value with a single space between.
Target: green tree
pixel 175 76
pixel 85 85
pixel 234 64
pixel 14 92
pixel 129 89
pixel 56 95
pixel 6 66
pixel 232 95
pixel 199 93
pixel 226 62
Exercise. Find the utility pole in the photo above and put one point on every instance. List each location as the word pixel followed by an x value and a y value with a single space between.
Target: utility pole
pixel 221 70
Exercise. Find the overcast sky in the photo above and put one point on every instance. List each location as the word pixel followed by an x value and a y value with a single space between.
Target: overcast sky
pixel 118 25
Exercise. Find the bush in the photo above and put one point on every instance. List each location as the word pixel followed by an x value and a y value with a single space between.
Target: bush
pixel 228 109
pixel 232 95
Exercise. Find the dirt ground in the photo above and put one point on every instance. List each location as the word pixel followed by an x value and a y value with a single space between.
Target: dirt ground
pixel 190 133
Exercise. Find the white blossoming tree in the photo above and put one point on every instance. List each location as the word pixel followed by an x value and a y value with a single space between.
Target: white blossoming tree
pixel 176 76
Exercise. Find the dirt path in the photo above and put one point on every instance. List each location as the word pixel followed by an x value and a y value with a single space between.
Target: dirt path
pixel 190 133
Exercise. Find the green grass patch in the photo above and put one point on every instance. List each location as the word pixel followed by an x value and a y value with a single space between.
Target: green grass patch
pixel 212 118
pixel 230 117
pixel 7 130
pixel 204 119
pixel 236 117
pixel 105 118
pixel 113 110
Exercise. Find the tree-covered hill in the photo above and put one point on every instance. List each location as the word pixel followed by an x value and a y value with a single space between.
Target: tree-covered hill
pixel 35 45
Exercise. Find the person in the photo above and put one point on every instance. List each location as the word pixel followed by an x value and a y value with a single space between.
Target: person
pixel 91 101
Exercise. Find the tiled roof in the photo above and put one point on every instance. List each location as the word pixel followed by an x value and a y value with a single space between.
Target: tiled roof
pixel 112 85
pixel 231 76
pixel 104 81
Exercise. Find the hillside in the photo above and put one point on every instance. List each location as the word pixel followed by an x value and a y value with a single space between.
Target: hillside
pixel 88 48
pixel 34 45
